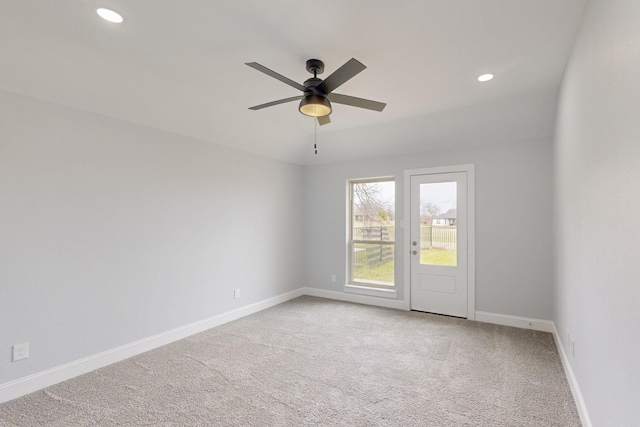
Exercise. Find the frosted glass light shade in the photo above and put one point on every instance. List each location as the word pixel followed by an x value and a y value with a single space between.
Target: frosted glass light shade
pixel 315 106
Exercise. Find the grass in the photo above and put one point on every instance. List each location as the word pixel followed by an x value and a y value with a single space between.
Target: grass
pixel 385 272
pixel 380 273
pixel 438 257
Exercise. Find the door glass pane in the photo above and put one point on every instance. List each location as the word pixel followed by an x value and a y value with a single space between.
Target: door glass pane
pixel 438 224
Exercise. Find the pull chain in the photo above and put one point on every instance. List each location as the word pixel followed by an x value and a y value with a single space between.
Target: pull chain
pixel 315 135
pixel 315 122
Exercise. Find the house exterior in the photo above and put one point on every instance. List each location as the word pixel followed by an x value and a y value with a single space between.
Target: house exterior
pixel 447 219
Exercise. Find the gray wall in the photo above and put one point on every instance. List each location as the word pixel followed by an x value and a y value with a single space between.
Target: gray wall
pixel 112 232
pixel 513 221
pixel 598 205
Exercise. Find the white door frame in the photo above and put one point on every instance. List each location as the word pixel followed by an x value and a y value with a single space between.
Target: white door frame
pixel 471 238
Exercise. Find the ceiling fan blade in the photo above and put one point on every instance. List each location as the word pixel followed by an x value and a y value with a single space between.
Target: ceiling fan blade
pixel 325 120
pixel 342 74
pixel 356 102
pixel 272 103
pixel 275 75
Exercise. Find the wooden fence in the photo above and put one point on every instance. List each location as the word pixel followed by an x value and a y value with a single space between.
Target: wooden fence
pixel 371 254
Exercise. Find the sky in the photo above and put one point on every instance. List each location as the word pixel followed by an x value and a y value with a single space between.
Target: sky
pixel 441 194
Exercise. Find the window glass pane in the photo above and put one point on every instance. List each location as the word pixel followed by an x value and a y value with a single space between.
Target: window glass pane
pixel 372 221
pixel 373 263
pixel 384 233
pixel 373 211
pixel 438 224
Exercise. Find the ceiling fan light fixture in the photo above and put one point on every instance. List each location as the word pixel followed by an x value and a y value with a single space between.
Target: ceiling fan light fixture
pixel 315 105
pixel 316 93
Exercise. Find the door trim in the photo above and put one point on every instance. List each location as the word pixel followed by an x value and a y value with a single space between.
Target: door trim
pixel 471 229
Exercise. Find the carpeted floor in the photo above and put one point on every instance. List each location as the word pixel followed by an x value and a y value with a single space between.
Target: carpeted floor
pixel 315 362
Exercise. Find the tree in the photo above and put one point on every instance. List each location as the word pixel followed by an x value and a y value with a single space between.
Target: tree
pixel 428 211
pixel 370 205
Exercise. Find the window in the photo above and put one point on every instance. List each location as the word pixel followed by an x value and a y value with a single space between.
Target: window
pixel 372 232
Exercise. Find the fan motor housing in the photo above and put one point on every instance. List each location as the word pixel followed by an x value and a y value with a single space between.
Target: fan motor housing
pixel 312 85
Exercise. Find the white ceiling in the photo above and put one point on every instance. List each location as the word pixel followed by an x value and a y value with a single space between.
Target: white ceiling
pixel 179 66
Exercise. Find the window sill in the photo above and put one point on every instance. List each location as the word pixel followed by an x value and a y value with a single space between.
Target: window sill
pixel 372 292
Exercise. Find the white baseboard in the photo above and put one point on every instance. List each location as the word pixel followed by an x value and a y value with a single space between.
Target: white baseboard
pixel 573 382
pixel 40 380
pixel 360 299
pixel 515 321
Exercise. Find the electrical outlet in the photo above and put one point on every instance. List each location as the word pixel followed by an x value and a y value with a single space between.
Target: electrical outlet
pixel 20 351
pixel 236 293
pixel 333 278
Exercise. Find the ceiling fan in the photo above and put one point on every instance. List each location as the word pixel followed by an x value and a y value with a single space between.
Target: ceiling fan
pixel 317 93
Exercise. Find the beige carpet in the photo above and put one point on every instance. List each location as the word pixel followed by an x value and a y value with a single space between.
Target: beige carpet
pixel 315 362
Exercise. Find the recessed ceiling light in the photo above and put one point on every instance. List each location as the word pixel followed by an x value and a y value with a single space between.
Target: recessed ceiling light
pixel 485 77
pixel 110 15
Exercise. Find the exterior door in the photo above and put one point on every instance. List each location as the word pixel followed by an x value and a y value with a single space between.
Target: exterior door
pixel 439 258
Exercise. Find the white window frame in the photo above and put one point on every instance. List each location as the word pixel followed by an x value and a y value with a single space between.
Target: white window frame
pixel 362 287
